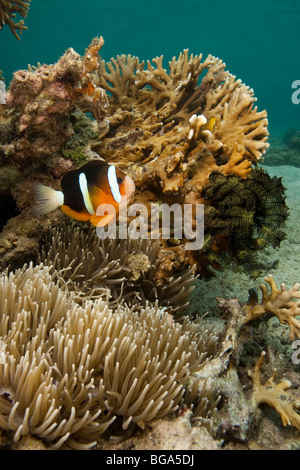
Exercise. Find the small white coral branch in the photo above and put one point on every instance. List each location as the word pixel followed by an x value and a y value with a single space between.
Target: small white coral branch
pixel 196 123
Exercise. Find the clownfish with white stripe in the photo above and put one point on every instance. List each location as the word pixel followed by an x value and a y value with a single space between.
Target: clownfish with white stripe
pixel 84 190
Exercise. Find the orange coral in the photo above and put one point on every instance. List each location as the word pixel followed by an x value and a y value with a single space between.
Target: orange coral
pixel 236 165
pixel 86 92
pixel 91 58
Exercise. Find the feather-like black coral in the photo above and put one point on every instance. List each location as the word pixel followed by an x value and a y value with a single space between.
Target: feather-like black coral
pixel 250 213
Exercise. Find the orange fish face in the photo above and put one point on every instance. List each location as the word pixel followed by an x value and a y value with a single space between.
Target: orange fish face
pixel 119 190
pixel 113 187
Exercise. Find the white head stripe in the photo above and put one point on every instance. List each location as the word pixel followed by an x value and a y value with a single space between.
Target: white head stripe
pixel 113 183
pixel 85 193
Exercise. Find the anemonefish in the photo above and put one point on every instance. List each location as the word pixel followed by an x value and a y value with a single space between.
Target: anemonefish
pixel 84 190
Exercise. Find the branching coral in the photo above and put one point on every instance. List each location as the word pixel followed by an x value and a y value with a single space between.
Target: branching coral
pixel 43 99
pixel 161 105
pixel 278 302
pixel 67 371
pixel 242 216
pixel 8 10
pixel 276 396
pixel 170 130
pixel 175 131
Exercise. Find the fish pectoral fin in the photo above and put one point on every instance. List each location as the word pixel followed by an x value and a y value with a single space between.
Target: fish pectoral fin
pixel 83 216
pixel 103 220
pixel 98 196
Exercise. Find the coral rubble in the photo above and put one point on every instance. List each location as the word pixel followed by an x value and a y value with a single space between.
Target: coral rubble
pixel 8 10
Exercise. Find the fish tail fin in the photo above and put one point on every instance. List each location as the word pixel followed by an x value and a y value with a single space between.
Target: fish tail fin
pixel 46 199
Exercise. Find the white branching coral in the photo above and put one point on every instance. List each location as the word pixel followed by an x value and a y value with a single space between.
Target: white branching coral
pixel 67 371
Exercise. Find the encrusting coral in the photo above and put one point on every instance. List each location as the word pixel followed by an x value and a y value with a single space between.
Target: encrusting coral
pixel 276 396
pixel 8 10
pixel 40 139
pixel 43 99
pixel 68 371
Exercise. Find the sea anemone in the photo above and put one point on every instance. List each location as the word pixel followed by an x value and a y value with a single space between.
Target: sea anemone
pixel 120 269
pixel 67 371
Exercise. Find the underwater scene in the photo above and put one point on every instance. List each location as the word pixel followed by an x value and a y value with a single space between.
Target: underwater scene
pixel 149 225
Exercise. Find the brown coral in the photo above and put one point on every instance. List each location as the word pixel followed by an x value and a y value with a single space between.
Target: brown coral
pixel 43 99
pixel 171 130
pixel 68 371
pixel 161 104
pixel 278 302
pixel 8 10
pixel 276 396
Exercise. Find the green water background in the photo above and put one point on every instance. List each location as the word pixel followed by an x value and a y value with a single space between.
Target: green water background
pixel 259 40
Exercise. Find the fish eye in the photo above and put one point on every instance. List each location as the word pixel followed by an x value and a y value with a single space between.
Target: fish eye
pixel 120 180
